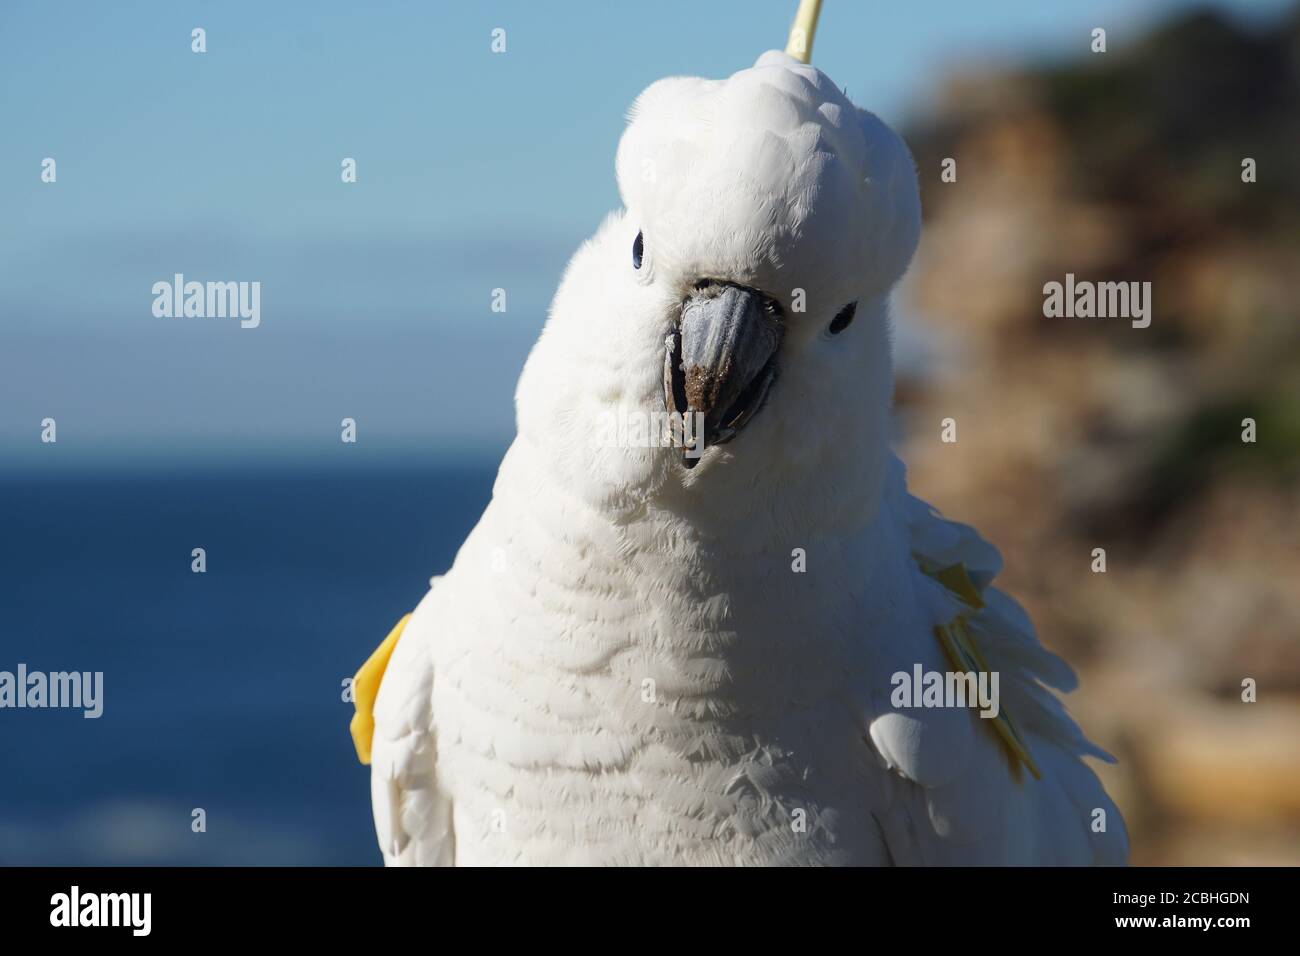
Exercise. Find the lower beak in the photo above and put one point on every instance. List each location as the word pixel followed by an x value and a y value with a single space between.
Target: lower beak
pixel 721 360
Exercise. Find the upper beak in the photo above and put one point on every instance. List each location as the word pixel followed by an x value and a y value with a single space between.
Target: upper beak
pixel 721 360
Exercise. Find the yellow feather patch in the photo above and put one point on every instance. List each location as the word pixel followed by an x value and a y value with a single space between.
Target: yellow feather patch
pixel 365 688
pixel 964 655
pixel 957 580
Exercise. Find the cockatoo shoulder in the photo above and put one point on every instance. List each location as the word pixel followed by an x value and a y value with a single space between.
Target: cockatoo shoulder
pixel 1009 789
pixel 412 812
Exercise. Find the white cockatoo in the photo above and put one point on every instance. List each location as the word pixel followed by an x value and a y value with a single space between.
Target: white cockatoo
pixel 650 654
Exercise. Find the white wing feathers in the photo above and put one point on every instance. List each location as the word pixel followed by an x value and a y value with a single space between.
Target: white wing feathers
pixel 412 815
pixel 959 802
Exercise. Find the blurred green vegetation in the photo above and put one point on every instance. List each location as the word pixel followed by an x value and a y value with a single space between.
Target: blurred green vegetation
pixel 1151 137
pixel 1159 122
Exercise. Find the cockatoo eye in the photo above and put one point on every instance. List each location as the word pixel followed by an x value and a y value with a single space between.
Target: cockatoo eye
pixel 841 321
pixel 638 250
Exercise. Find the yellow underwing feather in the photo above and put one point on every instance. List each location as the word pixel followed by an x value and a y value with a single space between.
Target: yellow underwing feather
pixel 957 580
pixel 365 688
pixel 963 654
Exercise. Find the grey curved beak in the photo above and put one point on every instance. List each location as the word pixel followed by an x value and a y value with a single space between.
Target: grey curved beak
pixel 721 360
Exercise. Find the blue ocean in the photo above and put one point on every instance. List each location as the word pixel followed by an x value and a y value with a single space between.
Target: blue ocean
pixel 222 691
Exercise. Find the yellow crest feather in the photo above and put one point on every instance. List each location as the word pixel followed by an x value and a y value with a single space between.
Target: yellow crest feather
pixel 800 43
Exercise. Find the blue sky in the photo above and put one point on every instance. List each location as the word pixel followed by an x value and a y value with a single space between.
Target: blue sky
pixel 475 171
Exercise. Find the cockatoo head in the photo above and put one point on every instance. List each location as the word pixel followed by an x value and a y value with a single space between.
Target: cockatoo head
pixel 744 286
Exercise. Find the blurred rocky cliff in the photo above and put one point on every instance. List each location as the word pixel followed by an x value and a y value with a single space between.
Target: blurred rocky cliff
pixel 1075 434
